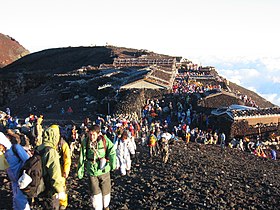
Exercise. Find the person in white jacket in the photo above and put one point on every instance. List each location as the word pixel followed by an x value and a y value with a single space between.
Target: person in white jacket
pixel 125 147
pixel 164 145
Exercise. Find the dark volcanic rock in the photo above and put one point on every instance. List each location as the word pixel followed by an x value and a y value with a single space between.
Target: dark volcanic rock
pixel 53 78
pixel 195 177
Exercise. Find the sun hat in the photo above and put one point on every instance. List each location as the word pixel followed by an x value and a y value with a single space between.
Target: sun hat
pixel 5 141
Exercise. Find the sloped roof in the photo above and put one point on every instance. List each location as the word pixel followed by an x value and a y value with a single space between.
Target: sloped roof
pixel 141 84
pixel 157 78
pixel 229 110
pixel 252 115
pixel 219 99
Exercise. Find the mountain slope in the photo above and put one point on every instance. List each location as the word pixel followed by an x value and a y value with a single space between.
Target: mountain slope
pixel 54 77
pixel 260 101
pixel 10 50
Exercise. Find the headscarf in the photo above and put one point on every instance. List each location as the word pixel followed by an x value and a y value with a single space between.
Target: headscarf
pixel 51 136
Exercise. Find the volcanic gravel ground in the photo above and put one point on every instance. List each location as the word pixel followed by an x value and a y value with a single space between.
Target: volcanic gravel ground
pixel 195 177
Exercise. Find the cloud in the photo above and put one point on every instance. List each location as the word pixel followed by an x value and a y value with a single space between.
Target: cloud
pixel 272 64
pixel 272 97
pixel 237 76
pixel 275 79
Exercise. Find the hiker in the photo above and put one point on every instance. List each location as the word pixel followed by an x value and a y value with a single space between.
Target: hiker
pixel 38 131
pixel 73 139
pixel 164 145
pixel 223 141
pixel 62 111
pixel 152 144
pixel 31 119
pixel 166 135
pixel 188 137
pixel 65 163
pixel 8 111
pixel 215 137
pixel 273 154
pixel 98 155
pixel 164 149
pixel 131 134
pixel 143 138
pixel 54 181
pixel 174 137
pixel 240 145
pixel 15 162
pixel 69 110
pixel 87 122
pixel 251 147
pixel 125 148
pixel 209 138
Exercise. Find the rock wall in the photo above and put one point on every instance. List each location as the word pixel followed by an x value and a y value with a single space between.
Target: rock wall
pixel 133 100
pixel 14 85
pixel 243 129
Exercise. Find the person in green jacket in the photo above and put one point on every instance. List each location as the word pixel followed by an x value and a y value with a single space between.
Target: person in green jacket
pixel 98 156
pixel 54 182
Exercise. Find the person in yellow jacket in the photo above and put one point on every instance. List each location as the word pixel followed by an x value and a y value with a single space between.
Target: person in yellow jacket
pixel 65 163
pixel 188 137
pixel 54 181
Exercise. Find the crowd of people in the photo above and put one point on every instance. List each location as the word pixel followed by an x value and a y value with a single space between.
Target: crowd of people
pixel 103 145
pixel 109 143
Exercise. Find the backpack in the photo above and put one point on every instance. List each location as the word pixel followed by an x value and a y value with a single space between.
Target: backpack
pixel 3 162
pixel 33 167
pixel 60 151
pixel 104 146
pixel 152 140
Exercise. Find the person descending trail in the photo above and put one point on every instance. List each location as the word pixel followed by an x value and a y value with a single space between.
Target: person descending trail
pixel 223 142
pixel 73 140
pixel 152 142
pixel 164 148
pixel 55 193
pixel 65 163
pixel 38 131
pixel 125 149
pixel 98 155
pixel 164 145
pixel 15 162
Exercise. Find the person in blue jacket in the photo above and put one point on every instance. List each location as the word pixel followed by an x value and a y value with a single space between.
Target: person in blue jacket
pixel 15 161
pixel 273 154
